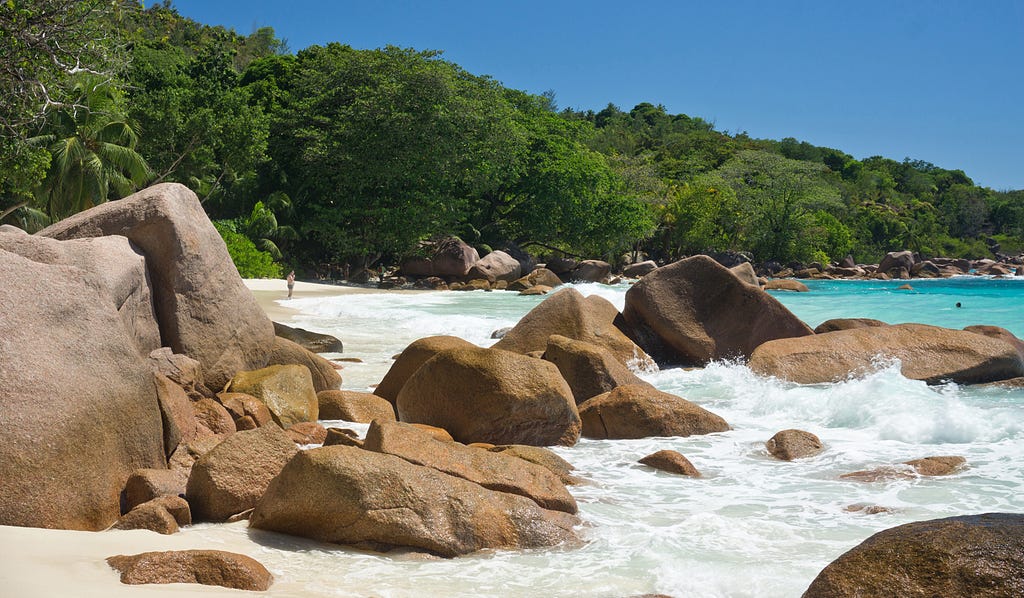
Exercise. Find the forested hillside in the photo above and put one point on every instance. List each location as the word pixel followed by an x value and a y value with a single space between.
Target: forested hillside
pixel 338 155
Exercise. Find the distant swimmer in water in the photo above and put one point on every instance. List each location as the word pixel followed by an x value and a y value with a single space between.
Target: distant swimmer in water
pixel 958 304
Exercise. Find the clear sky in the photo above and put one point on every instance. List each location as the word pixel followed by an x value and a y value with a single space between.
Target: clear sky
pixel 936 80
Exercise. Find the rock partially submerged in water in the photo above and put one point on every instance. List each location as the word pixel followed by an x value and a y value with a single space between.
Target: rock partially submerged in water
pixel 490 395
pixel 206 567
pixel 313 341
pixel 589 369
pixel 927 353
pixel 927 466
pixel 981 556
pixel 568 313
pixel 410 360
pixel 696 310
pixel 641 411
pixel 672 462
pixel 793 444
pixel 348 495
pixel 846 324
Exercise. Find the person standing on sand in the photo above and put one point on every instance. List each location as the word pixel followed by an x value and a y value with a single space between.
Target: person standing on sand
pixel 291 283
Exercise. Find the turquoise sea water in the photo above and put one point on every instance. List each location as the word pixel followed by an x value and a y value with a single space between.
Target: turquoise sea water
pixel 752 526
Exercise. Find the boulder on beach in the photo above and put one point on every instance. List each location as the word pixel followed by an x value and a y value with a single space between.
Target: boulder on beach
pixel 204 309
pixel 348 495
pixel 206 567
pixel 539 277
pixel 163 515
pixel 113 264
pixel 212 416
pixel 971 555
pixel 1000 333
pixel 453 258
pixel 896 261
pixel 540 456
pixel 927 353
pixel 490 395
pixel 639 269
pixel 496 265
pixel 245 407
pixel 313 341
pixel 696 310
pixel 354 406
pixel 793 444
pixel 307 433
pixel 232 477
pixel 570 314
pixel 178 417
pixel 641 411
pixel 492 470
pixel 591 271
pixel 182 370
pixel 78 402
pixel 589 369
pixel 146 484
pixel 286 390
pixel 410 360
pixel 323 373
pixel 745 272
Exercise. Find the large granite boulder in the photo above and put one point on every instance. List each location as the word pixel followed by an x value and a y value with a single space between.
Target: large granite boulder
pixel 589 369
pixel 232 476
pixel 204 309
pixel 926 353
pixel 453 258
pixel 639 269
pixel 348 495
pixel 114 264
pixel 496 265
pixel 206 567
pixel 787 445
pixel 353 406
pixel 981 556
pixel 570 314
pixel 493 396
pixel 894 261
pixel 179 418
pixel 323 373
pixel 696 310
pixel 494 471
pixel 316 342
pixel 541 277
pixel 640 411
pixel 182 370
pixel 286 390
pixel 410 360
pixel 591 271
pixel 540 456
pixel 999 333
pixel 745 272
pixel 78 404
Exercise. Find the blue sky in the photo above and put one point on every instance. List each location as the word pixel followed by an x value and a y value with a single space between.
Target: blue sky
pixel 936 80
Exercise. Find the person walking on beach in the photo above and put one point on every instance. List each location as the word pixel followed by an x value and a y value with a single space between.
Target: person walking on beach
pixel 291 283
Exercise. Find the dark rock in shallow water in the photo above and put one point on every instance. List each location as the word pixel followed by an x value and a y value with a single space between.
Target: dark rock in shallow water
pixel 641 411
pixel 671 462
pixel 793 444
pixel 313 341
pixel 981 556
pixel 846 324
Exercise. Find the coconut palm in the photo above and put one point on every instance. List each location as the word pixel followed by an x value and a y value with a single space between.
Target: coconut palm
pixel 92 150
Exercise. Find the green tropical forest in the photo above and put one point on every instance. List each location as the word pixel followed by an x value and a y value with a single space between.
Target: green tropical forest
pixel 333 155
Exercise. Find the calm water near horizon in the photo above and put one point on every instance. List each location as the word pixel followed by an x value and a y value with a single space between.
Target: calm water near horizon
pixel 752 526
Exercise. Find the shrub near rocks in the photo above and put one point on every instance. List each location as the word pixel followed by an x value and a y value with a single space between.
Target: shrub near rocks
pixel 348 495
pixel 490 395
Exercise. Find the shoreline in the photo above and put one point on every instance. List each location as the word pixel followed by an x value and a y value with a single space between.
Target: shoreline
pixel 272 295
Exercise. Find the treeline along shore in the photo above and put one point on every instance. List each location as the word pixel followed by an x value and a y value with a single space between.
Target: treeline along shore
pixel 142 387
pixel 334 155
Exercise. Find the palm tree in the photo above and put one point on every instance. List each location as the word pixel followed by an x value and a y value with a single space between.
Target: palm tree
pixel 92 149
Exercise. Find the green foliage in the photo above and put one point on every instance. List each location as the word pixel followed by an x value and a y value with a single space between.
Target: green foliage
pixel 249 261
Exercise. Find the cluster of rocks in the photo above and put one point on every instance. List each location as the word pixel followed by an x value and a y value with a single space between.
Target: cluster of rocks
pixel 456 265
pixel 141 386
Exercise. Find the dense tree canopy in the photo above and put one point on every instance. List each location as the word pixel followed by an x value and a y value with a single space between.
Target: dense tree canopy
pixel 335 155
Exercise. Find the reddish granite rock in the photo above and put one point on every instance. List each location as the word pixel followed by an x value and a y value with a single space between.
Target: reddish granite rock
pixel 671 462
pixel 207 567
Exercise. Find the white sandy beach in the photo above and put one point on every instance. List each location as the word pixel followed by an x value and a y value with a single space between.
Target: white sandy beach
pixel 272 294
